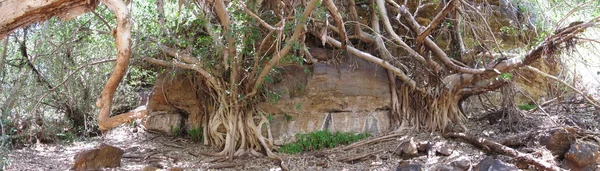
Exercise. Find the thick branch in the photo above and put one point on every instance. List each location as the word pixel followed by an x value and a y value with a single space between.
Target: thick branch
pixel 19 13
pixel 286 49
pixel 338 21
pixel 388 27
pixel 499 148
pixel 123 44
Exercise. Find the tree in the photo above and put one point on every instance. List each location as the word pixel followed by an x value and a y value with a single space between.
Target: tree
pixel 220 43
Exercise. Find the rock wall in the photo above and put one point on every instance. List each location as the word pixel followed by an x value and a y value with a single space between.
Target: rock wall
pixel 352 96
pixel 349 96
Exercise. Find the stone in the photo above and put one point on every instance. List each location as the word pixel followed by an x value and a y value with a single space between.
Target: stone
pixel 494 164
pixel 173 92
pixel 424 146
pixel 407 149
pixel 583 155
pixel 558 142
pixel 444 151
pixel 104 156
pixel 162 121
pixel 409 166
pixel 461 164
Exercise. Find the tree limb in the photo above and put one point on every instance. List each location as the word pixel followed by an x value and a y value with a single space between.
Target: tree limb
pixel 502 149
pixel 338 21
pixel 286 49
pixel 123 45
pixel 436 21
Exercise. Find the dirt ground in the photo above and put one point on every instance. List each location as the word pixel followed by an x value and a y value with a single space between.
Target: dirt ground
pixel 147 149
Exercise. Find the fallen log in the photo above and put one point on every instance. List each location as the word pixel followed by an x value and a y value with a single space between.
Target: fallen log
pixel 502 149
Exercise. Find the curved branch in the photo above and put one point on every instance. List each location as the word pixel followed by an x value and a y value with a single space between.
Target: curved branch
pixel 123 44
pixel 338 21
pixel 388 27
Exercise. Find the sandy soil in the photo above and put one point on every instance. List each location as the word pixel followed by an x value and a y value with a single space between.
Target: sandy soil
pixel 144 149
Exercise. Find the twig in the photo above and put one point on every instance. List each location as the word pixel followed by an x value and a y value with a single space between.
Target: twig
pixel 502 149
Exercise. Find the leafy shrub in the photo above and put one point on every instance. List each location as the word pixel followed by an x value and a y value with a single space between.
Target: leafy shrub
pixel 196 134
pixel 319 140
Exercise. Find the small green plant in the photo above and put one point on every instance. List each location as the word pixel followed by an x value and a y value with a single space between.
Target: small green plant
pixel 175 131
pixel 196 134
pixel 527 106
pixel 287 117
pixel 319 140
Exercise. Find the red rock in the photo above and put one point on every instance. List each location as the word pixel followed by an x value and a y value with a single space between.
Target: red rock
pixel 104 156
pixel 558 142
pixel 583 155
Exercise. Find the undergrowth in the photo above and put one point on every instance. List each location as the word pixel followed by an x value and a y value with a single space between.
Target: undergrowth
pixel 196 134
pixel 319 140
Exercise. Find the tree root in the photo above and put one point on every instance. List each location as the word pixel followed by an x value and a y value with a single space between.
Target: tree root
pixel 496 147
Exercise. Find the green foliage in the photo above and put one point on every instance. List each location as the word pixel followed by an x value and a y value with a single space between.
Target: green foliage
pixel 68 137
pixel 526 106
pixel 196 134
pixel 319 140
pixel 176 131
pixel 287 117
pixel 506 76
pixel 273 96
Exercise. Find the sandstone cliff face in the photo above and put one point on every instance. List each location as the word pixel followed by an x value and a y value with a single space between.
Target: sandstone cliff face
pixel 353 96
pixel 349 96
pixel 173 103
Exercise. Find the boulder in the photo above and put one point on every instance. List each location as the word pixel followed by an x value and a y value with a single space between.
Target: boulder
pixel 558 141
pixel 104 156
pixel 174 92
pixel 409 166
pixel 582 156
pixel 494 164
pixel 407 149
pixel 165 122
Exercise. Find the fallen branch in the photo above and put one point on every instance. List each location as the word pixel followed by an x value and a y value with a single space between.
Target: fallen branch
pixel 502 149
pixel 372 141
pixel 359 157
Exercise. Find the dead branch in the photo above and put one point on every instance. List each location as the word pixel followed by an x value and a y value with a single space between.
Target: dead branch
pixel 372 141
pixel 502 149
pixel 586 97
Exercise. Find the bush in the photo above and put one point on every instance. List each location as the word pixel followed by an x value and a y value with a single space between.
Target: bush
pixel 319 140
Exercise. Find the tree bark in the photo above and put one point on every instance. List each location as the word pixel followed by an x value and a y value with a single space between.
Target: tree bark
pixel 21 13
pixel 123 43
